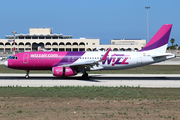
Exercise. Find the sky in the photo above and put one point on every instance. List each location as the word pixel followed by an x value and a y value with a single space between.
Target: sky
pixel 98 19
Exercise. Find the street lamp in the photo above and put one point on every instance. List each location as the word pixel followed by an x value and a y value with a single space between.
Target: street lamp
pixel 147 23
pixel 14 33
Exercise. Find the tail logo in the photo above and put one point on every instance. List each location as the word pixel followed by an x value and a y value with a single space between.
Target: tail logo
pixel 159 40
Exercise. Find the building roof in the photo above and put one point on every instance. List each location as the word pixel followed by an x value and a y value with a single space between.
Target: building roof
pixel 39 32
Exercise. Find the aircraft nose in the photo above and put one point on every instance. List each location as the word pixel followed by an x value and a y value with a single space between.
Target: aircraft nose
pixel 6 63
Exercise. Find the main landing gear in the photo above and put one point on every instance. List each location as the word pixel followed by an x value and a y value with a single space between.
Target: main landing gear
pixel 27 74
pixel 85 75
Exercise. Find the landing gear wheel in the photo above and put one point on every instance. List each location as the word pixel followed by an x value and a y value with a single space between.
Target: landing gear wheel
pixel 27 74
pixel 85 76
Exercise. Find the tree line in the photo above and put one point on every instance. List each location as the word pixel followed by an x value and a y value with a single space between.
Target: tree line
pixel 173 47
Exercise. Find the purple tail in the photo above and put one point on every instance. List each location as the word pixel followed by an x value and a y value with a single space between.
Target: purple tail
pixel 159 40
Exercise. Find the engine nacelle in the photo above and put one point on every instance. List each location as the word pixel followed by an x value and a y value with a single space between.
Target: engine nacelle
pixel 63 71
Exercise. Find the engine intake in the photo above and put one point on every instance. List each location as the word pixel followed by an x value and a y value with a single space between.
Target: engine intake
pixel 63 71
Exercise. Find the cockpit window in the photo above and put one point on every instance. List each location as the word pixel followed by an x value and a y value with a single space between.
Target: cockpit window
pixel 12 57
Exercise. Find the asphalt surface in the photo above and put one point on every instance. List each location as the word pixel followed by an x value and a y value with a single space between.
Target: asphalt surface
pixel 111 80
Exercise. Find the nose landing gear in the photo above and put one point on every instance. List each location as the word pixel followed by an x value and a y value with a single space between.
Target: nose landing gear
pixel 27 74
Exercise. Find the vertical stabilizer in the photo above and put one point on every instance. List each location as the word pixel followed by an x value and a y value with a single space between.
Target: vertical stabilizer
pixel 159 41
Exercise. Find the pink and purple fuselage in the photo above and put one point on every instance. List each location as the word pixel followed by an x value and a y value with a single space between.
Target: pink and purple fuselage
pixel 42 60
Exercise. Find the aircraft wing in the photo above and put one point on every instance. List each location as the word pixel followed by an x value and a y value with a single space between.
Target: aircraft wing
pixel 90 63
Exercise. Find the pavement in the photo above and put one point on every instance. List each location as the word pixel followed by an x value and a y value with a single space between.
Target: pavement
pixel 2 62
pixel 175 61
pixel 110 80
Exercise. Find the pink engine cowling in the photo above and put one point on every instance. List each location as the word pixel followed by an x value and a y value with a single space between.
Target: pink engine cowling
pixel 63 71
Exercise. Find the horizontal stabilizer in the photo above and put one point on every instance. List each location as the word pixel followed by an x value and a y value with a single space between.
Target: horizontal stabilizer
pixel 163 55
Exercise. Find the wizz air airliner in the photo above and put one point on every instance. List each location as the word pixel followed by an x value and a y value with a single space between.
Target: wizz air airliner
pixel 64 64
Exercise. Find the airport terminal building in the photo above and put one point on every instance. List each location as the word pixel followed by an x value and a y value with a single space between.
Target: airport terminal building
pixel 44 38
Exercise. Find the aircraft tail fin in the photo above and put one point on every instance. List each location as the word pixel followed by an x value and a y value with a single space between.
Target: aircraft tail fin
pixel 159 41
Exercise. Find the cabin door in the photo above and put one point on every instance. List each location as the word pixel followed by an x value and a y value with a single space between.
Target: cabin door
pixel 25 58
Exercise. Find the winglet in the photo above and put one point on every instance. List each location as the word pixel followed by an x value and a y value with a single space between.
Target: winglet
pixel 106 54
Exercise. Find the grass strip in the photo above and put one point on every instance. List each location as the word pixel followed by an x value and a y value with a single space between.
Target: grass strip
pixel 86 92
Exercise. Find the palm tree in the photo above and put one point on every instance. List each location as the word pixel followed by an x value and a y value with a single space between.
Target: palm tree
pixel 172 41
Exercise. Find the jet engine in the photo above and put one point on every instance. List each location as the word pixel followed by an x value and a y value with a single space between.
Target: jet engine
pixel 63 71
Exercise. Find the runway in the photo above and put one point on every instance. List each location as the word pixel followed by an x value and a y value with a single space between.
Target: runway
pixel 110 80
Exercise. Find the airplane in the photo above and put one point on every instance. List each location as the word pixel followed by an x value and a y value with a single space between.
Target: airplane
pixel 66 63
